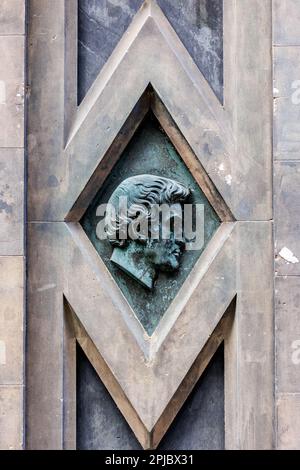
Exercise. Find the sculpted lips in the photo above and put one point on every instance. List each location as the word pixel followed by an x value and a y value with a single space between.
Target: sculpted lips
pixel 176 252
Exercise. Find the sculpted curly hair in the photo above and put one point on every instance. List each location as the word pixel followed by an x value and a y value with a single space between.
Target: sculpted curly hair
pixel 142 193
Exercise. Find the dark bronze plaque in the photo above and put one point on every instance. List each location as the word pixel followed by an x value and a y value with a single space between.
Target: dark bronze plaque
pixel 150 152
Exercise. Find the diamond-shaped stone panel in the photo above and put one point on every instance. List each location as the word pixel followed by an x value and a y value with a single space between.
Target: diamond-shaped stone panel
pixel 150 151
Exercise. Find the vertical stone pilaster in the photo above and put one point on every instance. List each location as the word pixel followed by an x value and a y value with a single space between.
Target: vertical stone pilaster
pixel 12 255
pixel 286 54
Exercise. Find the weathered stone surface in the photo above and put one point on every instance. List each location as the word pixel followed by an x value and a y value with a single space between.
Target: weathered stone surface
pixel 199 424
pixel 11 320
pixel 247 95
pixel 101 26
pixel 288 422
pixel 286 32
pixel 288 333
pixel 287 216
pixel 287 72
pixel 286 129
pixel 12 17
pixel 44 360
pixel 287 103
pixel 198 23
pixel 12 29
pixel 100 425
pixel 11 201
pixel 286 22
pixel 12 91
pixel 249 347
pixel 11 417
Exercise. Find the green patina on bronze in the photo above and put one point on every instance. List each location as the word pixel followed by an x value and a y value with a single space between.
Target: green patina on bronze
pixel 148 235
pixel 150 152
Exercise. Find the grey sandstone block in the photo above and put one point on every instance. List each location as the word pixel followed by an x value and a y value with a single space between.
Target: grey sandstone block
pixel 11 320
pixel 286 129
pixel 12 17
pixel 287 103
pixel 287 306
pixel 11 418
pixel 287 217
pixel 11 202
pixel 12 91
pixel 286 22
pixel 288 422
pixel 287 73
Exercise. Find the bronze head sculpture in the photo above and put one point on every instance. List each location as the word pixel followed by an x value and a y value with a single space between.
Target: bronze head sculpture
pixel 136 233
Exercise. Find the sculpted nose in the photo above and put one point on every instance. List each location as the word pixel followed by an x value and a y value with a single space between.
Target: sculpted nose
pixel 180 243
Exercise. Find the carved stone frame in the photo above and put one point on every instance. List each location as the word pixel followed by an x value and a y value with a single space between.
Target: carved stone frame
pixel 231 284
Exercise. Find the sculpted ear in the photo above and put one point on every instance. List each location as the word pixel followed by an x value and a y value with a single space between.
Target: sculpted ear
pixel 139 228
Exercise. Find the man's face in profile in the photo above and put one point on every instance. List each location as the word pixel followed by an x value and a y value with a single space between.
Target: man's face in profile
pixel 165 253
pixel 154 220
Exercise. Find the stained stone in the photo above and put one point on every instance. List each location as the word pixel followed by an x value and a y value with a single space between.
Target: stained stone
pixel 151 152
pixel 198 23
pixel 101 25
pixel 100 425
pixel 198 425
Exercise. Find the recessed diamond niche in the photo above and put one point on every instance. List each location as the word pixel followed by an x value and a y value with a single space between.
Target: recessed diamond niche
pixel 149 152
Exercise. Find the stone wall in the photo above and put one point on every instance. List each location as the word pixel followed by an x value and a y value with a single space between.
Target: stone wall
pixel 286 50
pixel 12 47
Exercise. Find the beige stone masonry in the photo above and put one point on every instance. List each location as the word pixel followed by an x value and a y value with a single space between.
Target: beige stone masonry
pixel 12 67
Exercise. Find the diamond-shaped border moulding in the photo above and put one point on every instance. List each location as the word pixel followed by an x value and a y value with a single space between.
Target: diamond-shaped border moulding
pixel 150 101
pixel 149 151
